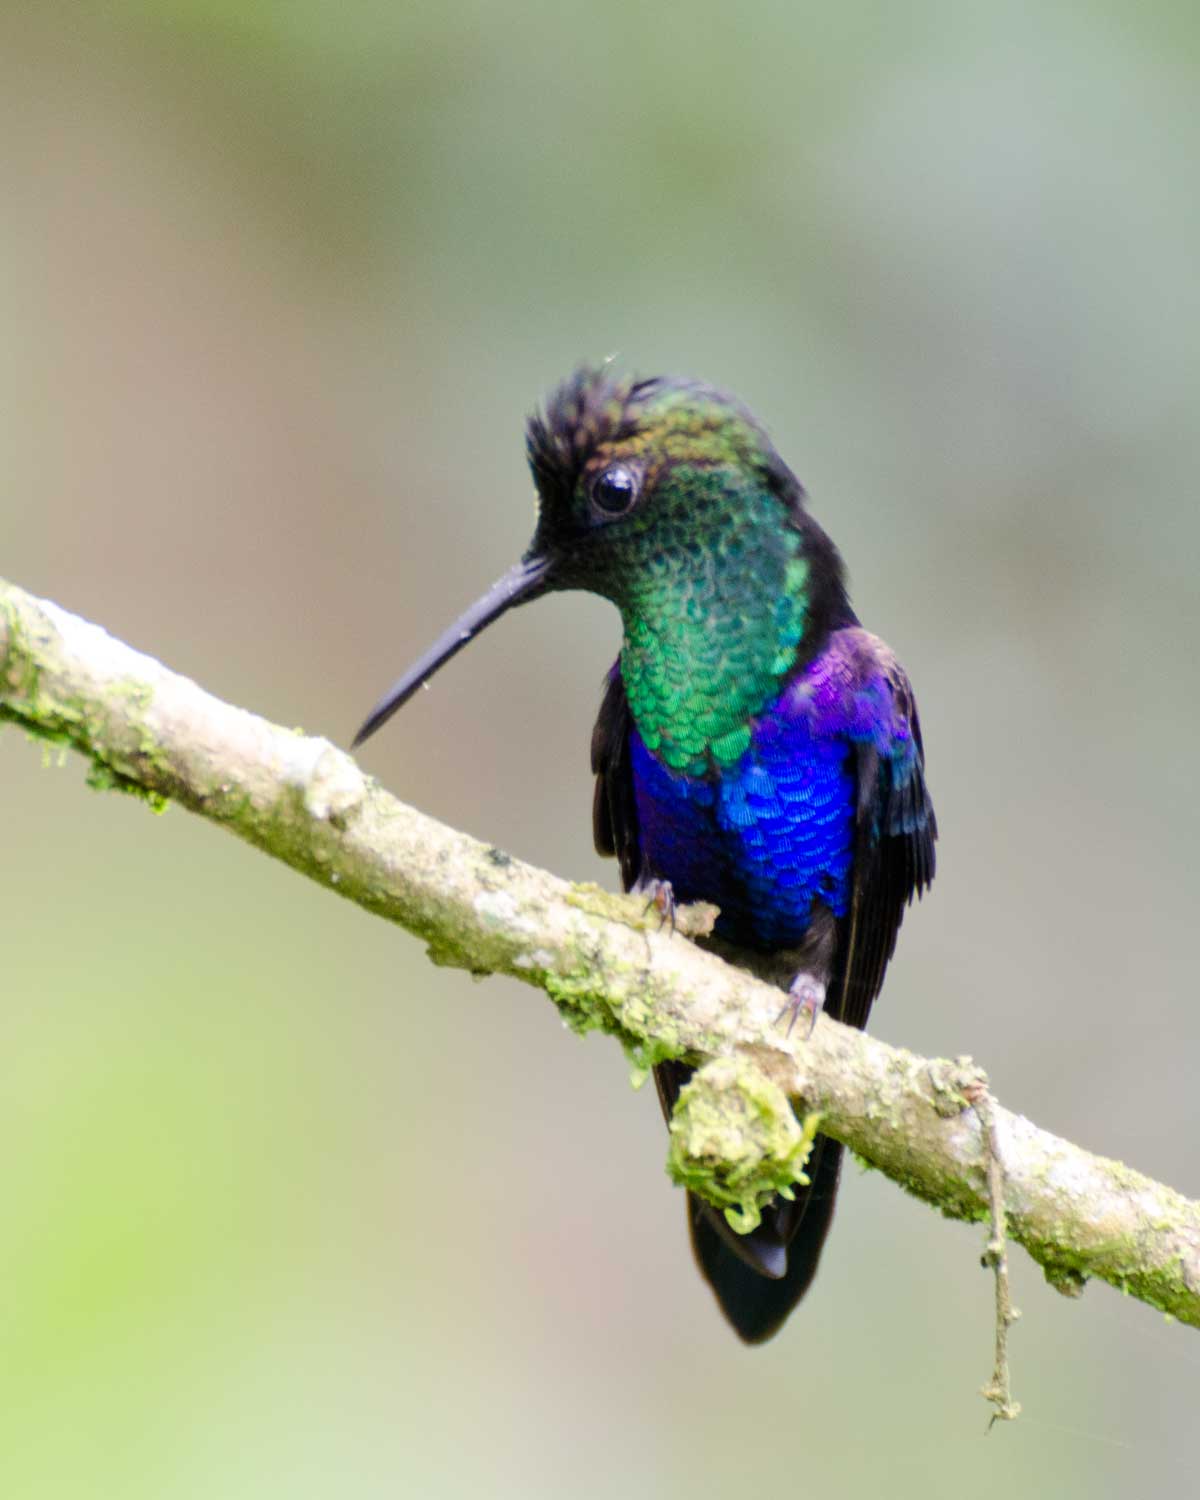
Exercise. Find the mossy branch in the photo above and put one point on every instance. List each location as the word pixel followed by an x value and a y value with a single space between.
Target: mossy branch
pixel 602 960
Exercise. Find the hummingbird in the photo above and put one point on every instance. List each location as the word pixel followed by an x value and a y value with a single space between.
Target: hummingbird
pixel 756 748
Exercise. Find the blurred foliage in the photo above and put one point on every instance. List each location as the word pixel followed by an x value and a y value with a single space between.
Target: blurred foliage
pixel 278 283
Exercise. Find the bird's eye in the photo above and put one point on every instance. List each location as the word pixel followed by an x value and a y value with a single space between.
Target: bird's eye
pixel 615 490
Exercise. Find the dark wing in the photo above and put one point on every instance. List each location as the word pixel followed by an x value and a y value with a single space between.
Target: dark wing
pixel 894 837
pixel 614 813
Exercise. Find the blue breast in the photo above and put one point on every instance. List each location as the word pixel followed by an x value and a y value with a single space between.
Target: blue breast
pixel 763 840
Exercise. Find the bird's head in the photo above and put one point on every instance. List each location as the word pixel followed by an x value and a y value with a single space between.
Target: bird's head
pixel 665 496
pixel 634 477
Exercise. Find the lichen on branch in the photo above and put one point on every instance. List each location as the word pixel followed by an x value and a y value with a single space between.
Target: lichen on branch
pixel 736 1141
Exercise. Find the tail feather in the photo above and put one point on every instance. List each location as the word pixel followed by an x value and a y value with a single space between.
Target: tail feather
pixel 758 1281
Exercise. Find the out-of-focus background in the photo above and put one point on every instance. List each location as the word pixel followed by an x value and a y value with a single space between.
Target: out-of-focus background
pixel 279 284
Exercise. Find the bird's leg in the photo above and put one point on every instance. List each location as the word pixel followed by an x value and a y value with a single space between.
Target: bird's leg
pixel 810 963
pixel 662 896
pixel 806 992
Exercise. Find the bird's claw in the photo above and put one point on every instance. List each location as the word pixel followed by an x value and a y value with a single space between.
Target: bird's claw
pixel 662 896
pixel 804 993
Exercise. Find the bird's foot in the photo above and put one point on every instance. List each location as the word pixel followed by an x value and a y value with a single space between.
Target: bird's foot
pixel 662 896
pixel 804 993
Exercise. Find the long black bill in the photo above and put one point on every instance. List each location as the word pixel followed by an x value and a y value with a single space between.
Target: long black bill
pixel 523 582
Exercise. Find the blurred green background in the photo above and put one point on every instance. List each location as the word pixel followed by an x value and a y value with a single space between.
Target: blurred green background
pixel 278 285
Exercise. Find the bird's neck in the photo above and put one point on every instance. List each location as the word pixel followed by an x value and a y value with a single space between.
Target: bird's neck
pixel 711 634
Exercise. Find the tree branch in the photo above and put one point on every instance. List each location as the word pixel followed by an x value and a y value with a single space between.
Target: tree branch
pixel 602 960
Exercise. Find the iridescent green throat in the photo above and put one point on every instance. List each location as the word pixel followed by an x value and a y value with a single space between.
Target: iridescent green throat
pixel 713 623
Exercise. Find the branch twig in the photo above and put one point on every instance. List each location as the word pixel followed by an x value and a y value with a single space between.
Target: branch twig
pixel 995 1257
pixel 599 957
